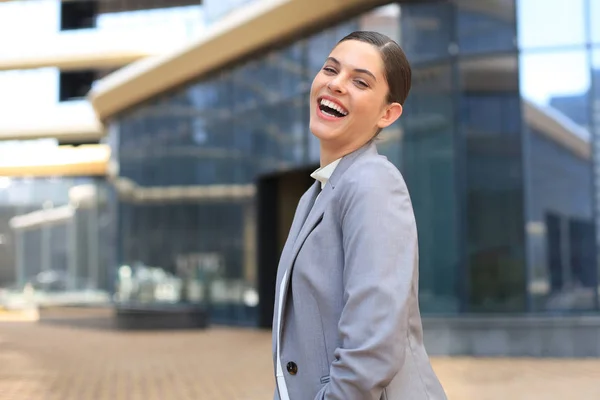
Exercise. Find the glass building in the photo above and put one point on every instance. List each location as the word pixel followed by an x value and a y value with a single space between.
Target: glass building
pixel 496 146
pixel 55 239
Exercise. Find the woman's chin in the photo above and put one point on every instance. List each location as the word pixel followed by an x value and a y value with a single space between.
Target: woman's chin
pixel 323 133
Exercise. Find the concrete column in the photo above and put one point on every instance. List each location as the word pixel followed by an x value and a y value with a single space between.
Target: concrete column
pixel 93 242
pixel 45 248
pixel 72 260
pixel 20 257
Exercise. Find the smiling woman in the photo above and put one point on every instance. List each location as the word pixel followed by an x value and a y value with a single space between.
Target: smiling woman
pixel 359 91
pixel 347 323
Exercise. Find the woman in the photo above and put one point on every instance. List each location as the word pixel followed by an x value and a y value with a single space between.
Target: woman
pixel 347 324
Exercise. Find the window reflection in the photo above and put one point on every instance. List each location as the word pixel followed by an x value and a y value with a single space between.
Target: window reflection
pixel 426 30
pixel 594 22
pixel 318 48
pixel 560 226
pixel 551 23
pixel 383 19
pixel 491 125
pixel 554 76
pixel 485 26
pixel 428 165
pixel 54 241
pixel 595 99
pixel 217 9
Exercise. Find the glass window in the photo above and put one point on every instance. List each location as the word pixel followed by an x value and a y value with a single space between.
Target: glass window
pixel 596 89
pixel 318 48
pixel 217 9
pixel 490 122
pixel 385 19
pixel 283 72
pixel 313 150
pixel 286 127
pixel 61 249
pixel 485 26
pixel 595 99
pixel 428 164
pixel 550 23
pixel 594 23
pixel 426 30
pixel 389 142
pixel 560 226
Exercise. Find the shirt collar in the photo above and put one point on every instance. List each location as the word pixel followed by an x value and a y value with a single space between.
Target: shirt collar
pixel 324 173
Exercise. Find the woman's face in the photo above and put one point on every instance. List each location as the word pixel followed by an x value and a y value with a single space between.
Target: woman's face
pixel 348 97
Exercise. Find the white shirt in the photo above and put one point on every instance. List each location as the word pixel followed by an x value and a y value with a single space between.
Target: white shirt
pixel 322 175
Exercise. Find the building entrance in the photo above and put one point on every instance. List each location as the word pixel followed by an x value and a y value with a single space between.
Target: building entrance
pixel 278 196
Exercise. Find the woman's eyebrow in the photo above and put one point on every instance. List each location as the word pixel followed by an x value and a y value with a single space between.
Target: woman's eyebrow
pixel 359 70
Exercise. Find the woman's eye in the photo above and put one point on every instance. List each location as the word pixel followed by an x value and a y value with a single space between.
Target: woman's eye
pixel 329 69
pixel 362 84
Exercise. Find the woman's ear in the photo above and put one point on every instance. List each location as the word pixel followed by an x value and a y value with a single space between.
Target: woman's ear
pixel 392 112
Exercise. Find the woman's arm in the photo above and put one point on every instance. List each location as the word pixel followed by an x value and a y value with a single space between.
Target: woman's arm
pixel 380 256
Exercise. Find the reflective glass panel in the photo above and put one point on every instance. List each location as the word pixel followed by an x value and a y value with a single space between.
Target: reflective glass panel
pixel 384 20
pixel 485 26
pixel 490 127
pixel 53 238
pixel 550 23
pixel 428 163
pixel 216 9
pixel 594 23
pixel 595 99
pixel 560 226
pixel 426 30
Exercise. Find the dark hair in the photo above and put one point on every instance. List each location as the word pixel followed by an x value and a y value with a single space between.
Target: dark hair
pixel 397 68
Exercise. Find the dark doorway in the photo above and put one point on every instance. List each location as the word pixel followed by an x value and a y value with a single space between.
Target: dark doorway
pixel 278 196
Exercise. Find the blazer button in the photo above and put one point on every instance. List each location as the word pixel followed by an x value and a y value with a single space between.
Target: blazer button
pixel 292 368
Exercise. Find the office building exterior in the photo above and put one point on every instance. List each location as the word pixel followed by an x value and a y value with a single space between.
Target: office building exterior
pixel 497 144
pixel 54 196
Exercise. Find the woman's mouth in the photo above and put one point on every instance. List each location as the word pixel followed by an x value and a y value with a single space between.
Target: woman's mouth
pixel 331 109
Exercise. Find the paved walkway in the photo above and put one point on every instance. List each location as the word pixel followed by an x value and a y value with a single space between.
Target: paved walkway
pixel 84 359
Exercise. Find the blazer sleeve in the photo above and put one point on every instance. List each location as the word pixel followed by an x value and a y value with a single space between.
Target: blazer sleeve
pixel 380 259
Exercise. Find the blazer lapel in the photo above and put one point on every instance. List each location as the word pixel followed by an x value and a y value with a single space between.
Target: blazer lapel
pixel 311 216
pixel 316 211
pixel 304 211
pixel 314 216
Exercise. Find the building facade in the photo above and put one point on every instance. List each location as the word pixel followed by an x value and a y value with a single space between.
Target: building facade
pixel 498 162
pixel 55 224
pixel 498 145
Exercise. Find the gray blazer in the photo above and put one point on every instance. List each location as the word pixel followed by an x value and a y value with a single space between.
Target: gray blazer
pixel 351 326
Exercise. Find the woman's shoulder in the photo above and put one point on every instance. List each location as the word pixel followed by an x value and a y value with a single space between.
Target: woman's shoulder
pixel 371 184
pixel 372 170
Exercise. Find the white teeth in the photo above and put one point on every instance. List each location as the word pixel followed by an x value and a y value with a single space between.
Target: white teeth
pixel 331 104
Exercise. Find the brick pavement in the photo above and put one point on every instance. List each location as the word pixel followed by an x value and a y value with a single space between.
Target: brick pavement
pixel 63 360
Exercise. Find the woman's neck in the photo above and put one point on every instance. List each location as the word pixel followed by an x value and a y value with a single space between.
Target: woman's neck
pixel 327 158
pixel 331 152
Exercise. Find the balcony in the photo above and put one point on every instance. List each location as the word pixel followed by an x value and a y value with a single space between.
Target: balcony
pixel 117 40
pixel 67 122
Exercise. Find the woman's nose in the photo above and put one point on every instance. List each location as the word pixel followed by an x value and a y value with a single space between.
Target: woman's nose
pixel 335 86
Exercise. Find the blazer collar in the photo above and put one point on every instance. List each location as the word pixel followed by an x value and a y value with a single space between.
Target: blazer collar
pixel 318 198
pixel 313 209
pixel 348 160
